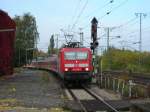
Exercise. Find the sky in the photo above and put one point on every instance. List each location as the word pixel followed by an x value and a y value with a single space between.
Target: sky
pixel 61 17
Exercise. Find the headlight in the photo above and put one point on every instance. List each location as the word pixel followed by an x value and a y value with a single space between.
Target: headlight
pixel 86 69
pixel 66 69
pixel 83 65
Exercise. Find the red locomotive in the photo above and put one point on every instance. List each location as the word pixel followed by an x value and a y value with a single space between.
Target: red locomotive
pixel 7 37
pixel 75 63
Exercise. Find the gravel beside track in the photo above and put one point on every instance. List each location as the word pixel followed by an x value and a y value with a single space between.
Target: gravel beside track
pixel 31 89
pixel 105 94
pixel 87 100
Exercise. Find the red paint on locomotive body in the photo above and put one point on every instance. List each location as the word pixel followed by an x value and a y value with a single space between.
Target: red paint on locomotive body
pixel 7 37
pixel 75 63
pixel 71 64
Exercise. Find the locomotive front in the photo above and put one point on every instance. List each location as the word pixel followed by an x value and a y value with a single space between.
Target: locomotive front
pixel 76 64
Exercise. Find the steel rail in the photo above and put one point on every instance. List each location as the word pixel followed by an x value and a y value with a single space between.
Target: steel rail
pixel 99 98
pixel 76 99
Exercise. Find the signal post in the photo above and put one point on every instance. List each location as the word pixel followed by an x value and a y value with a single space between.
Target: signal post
pixel 94 45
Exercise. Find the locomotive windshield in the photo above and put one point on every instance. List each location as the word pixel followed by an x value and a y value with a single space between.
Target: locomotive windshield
pixel 76 55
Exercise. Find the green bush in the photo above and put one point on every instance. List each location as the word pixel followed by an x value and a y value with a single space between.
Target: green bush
pixel 126 91
pixel 141 91
pixel 116 59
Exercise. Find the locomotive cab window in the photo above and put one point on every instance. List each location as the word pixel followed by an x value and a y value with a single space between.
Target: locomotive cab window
pixel 81 55
pixel 76 55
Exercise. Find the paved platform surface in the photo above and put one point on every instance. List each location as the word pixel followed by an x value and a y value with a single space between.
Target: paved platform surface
pixel 31 89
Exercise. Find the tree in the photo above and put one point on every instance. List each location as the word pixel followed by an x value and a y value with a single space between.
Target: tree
pixel 126 60
pixel 51 45
pixel 26 38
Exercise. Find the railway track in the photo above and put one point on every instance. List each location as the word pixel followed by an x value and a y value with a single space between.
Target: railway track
pixel 141 80
pixel 77 100
pixel 136 77
pixel 95 103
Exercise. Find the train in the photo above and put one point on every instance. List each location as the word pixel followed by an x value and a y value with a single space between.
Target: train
pixel 73 63
pixel 7 39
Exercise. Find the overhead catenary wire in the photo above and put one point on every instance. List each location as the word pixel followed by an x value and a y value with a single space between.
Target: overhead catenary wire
pixel 86 41
pixel 78 17
pixel 81 12
pixel 132 21
pixel 128 22
pixel 100 8
pixel 115 8
pixel 121 4
pixel 146 28
pixel 108 12
pixel 136 30
pixel 75 12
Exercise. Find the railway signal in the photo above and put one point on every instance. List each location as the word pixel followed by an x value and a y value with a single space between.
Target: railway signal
pixel 94 44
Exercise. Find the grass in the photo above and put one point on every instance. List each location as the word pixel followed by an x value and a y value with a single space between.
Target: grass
pixel 25 109
pixel 6 104
pixel 17 70
pixel 45 77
